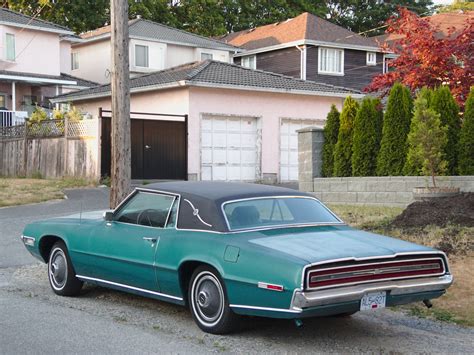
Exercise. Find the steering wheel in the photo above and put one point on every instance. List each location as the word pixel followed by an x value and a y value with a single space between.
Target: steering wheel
pixel 145 216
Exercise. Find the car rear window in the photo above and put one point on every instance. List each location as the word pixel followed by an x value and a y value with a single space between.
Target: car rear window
pixel 276 211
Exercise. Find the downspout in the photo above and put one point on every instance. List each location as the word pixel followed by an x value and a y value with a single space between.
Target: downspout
pixel 303 56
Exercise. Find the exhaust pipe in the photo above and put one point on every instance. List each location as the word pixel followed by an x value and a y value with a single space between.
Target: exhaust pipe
pixel 428 303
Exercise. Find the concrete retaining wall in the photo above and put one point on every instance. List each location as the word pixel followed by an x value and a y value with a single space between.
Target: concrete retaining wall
pixel 387 190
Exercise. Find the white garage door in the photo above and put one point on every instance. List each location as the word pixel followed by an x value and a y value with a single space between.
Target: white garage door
pixel 229 149
pixel 289 146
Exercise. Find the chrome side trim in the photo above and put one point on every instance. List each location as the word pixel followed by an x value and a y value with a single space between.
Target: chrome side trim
pixel 371 281
pixel 87 278
pixel 330 261
pixel 307 299
pixel 196 213
pixel 265 308
pixel 340 222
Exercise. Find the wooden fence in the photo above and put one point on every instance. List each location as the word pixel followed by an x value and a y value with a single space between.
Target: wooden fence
pixel 52 148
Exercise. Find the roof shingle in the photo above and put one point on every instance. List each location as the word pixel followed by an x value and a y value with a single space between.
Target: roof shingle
pixel 11 17
pixel 219 74
pixel 303 27
pixel 149 29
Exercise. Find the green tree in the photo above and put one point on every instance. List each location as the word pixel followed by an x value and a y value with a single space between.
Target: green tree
pixel 413 167
pixel 364 15
pixel 343 149
pixel 331 131
pixel 396 125
pixel 443 103
pixel 79 15
pixel 426 140
pixel 466 140
pixel 366 138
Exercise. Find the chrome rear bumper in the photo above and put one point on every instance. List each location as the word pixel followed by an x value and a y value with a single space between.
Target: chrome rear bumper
pixel 307 299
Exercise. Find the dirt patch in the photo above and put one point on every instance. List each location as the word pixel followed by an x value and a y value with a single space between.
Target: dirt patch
pixel 455 210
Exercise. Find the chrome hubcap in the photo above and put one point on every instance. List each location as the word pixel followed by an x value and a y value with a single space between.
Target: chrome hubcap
pixel 208 299
pixel 58 268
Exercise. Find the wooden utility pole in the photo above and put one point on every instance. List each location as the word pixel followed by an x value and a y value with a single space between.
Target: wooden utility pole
pixel 120 169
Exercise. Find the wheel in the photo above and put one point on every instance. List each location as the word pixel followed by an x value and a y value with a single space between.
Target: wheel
pixel 209 304
pixel 62 277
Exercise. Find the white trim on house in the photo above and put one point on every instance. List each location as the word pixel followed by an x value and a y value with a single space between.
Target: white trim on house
pixel 311 43
pixel 329 72
pixel 184 83
pixel 32 79
pixel 37 28
pixel 370 60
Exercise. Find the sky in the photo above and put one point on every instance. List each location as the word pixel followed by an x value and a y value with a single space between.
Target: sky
pixel 442 2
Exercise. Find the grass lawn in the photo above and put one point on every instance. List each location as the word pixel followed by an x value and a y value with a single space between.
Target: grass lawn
pixel 457 304
pixel 23 191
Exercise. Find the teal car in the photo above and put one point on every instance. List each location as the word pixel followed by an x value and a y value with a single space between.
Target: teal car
pixel 227 250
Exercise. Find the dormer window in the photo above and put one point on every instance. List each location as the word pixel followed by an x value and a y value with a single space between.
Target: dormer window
pixel 10 47
pixel 141 56
pixel 330 61
pixel 250 62
pixel 371 58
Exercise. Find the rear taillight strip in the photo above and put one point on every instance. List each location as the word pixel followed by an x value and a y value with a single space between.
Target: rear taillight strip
pixel 343 275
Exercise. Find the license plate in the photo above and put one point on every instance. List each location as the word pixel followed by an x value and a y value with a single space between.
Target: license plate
pixel 374 300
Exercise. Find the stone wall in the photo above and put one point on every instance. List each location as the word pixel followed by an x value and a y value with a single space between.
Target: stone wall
pixel 310 152
pixel 384 190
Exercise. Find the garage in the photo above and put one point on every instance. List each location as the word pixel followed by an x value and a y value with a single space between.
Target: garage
pixel 289 146
pixel 229 148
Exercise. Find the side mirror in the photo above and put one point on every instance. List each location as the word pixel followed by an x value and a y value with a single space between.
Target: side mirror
pixel 108 216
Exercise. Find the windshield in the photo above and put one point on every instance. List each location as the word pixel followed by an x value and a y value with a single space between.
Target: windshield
pixel 276 211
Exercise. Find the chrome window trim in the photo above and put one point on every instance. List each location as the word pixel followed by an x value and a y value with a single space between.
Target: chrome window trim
pixel 87 278
pixel 279 226
pixel 392 256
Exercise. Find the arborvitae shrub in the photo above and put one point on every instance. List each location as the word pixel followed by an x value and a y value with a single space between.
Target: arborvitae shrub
pixel 343 149
pixel 366 138
pixel 427 140
pixel 466 139
pixel 442 102
pixel 331 130
pixel 396 125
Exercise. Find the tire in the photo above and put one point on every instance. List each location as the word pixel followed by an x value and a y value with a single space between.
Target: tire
pixel 61 275
pixel 209 304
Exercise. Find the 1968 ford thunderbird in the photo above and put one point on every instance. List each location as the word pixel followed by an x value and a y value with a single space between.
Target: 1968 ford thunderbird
pixel 232 249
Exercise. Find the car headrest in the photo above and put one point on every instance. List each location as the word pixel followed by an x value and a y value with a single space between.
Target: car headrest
pixel 244 216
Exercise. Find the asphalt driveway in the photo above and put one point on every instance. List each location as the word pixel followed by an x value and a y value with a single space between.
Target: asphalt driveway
pixel 34 320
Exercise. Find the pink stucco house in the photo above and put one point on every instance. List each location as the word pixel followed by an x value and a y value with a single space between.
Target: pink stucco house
pixel 35 64
pixel 237 124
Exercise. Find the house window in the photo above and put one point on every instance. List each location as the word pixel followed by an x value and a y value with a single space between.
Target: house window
pixel 141 56
pixel 371 58
pixel 10 47
pixel 74 61
pixel 331 61
pixel 3 102
pixel 206 56
pixel 249 62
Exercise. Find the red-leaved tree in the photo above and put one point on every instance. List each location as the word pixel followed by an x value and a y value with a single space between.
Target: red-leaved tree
pixel 427 59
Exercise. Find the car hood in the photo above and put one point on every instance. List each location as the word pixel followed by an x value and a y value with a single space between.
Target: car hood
pixel 324 243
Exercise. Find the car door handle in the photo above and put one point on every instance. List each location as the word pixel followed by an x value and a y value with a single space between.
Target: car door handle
pixel 150 239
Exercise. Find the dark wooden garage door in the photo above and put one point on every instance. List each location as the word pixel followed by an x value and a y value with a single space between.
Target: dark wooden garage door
pixel 158 149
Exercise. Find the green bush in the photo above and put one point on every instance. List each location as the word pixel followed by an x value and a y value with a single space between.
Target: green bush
pixel 427 140
pixel 331 130
pixel 466 139
pixel 343 149
pixel 414 167
pixel 442 102
pixel 366 138
pixel 396 125
pixel 38 115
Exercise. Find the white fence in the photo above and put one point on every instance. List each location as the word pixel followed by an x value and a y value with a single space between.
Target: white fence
pixel 12 118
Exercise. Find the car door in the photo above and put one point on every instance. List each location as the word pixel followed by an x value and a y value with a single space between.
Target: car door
pixel 123 250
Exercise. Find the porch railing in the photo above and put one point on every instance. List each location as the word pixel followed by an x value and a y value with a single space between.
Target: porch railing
pixel 12 118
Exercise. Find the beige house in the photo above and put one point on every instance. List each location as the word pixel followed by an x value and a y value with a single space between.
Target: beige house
pixel 153 47
pixel 232 123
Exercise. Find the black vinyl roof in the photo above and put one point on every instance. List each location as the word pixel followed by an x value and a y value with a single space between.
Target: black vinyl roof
pixel 201 201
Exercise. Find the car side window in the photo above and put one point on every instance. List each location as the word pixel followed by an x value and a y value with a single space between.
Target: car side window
pixel 173 215
pixel 146 209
